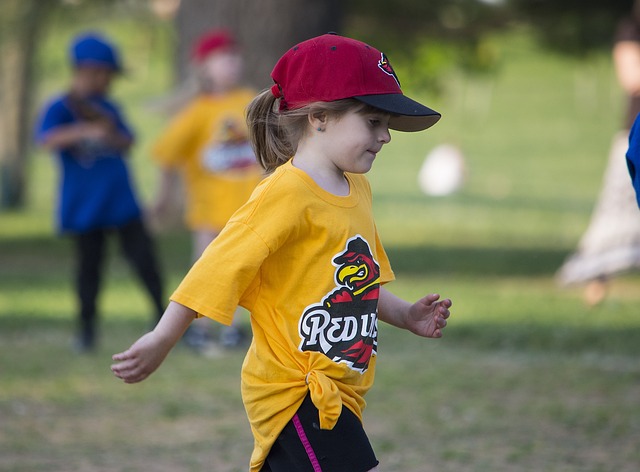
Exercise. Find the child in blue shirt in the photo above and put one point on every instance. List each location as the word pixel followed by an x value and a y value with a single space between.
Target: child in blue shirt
pixel 90 138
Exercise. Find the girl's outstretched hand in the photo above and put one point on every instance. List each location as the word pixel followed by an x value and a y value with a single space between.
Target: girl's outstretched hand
pixel 428 316
pixel 141 359
pixel 147 353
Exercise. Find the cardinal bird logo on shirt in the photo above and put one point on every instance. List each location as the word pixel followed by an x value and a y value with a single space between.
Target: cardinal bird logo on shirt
pixel 385 66
pixel 344 326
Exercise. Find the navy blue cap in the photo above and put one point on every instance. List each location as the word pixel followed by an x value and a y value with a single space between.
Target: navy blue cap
pixel 94 49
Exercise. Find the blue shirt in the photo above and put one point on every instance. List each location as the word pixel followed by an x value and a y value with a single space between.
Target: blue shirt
pixel 95 190
pixel 633 156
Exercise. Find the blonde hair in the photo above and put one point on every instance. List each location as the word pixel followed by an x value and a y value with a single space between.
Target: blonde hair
pixel 274 134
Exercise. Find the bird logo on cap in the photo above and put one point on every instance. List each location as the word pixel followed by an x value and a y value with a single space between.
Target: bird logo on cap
pixel 385 66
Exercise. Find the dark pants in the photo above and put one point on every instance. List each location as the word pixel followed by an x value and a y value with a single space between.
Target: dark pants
pixel 303 447
pixel 137 247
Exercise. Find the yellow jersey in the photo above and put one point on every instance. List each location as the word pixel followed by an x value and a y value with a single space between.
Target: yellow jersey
pixel 207 142
pixel 308 266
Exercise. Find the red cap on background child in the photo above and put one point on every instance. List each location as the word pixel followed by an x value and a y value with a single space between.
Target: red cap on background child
pixel 213 41
pixel 332 67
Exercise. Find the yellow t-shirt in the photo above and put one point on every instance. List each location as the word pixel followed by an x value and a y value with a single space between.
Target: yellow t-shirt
pixel 308 266
pixel 207 142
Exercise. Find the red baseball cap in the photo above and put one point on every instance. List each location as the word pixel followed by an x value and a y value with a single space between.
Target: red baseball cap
pixel 212 41
pixel 332 67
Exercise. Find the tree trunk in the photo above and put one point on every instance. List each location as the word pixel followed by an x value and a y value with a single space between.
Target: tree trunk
pixel 20 23
pixel 264 28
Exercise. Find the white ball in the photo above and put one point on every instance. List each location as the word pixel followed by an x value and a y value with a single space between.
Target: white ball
pixel 443 171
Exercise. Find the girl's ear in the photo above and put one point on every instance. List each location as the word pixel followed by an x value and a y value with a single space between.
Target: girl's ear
pixel 317 120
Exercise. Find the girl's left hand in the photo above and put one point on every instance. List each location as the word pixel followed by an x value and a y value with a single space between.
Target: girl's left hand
pixel 428 316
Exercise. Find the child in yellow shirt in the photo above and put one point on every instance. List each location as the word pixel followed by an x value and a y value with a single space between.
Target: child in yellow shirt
pixel 304 257
pixel 207 144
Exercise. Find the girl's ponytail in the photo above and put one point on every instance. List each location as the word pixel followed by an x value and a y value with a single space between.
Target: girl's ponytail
pixel 271 141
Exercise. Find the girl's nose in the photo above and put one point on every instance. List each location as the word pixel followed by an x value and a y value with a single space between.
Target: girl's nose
pixel 385 136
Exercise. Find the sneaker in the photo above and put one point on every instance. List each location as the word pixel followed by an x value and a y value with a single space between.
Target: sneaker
pixel 84 343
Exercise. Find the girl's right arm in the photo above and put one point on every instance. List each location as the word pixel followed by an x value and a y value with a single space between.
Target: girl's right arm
pixel 147 353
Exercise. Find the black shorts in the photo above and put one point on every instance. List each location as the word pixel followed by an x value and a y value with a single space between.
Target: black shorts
pixel 303 447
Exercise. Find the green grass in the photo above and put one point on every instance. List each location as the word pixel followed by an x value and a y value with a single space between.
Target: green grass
pixel 526 377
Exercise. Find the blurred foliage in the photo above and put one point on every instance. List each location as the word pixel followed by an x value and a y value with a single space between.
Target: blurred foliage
pixel 426 38
pixel 575 27
pixel 568 26
pixel 452 29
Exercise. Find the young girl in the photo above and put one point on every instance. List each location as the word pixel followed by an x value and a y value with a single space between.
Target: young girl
pixel 207 145
pixel 304 257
